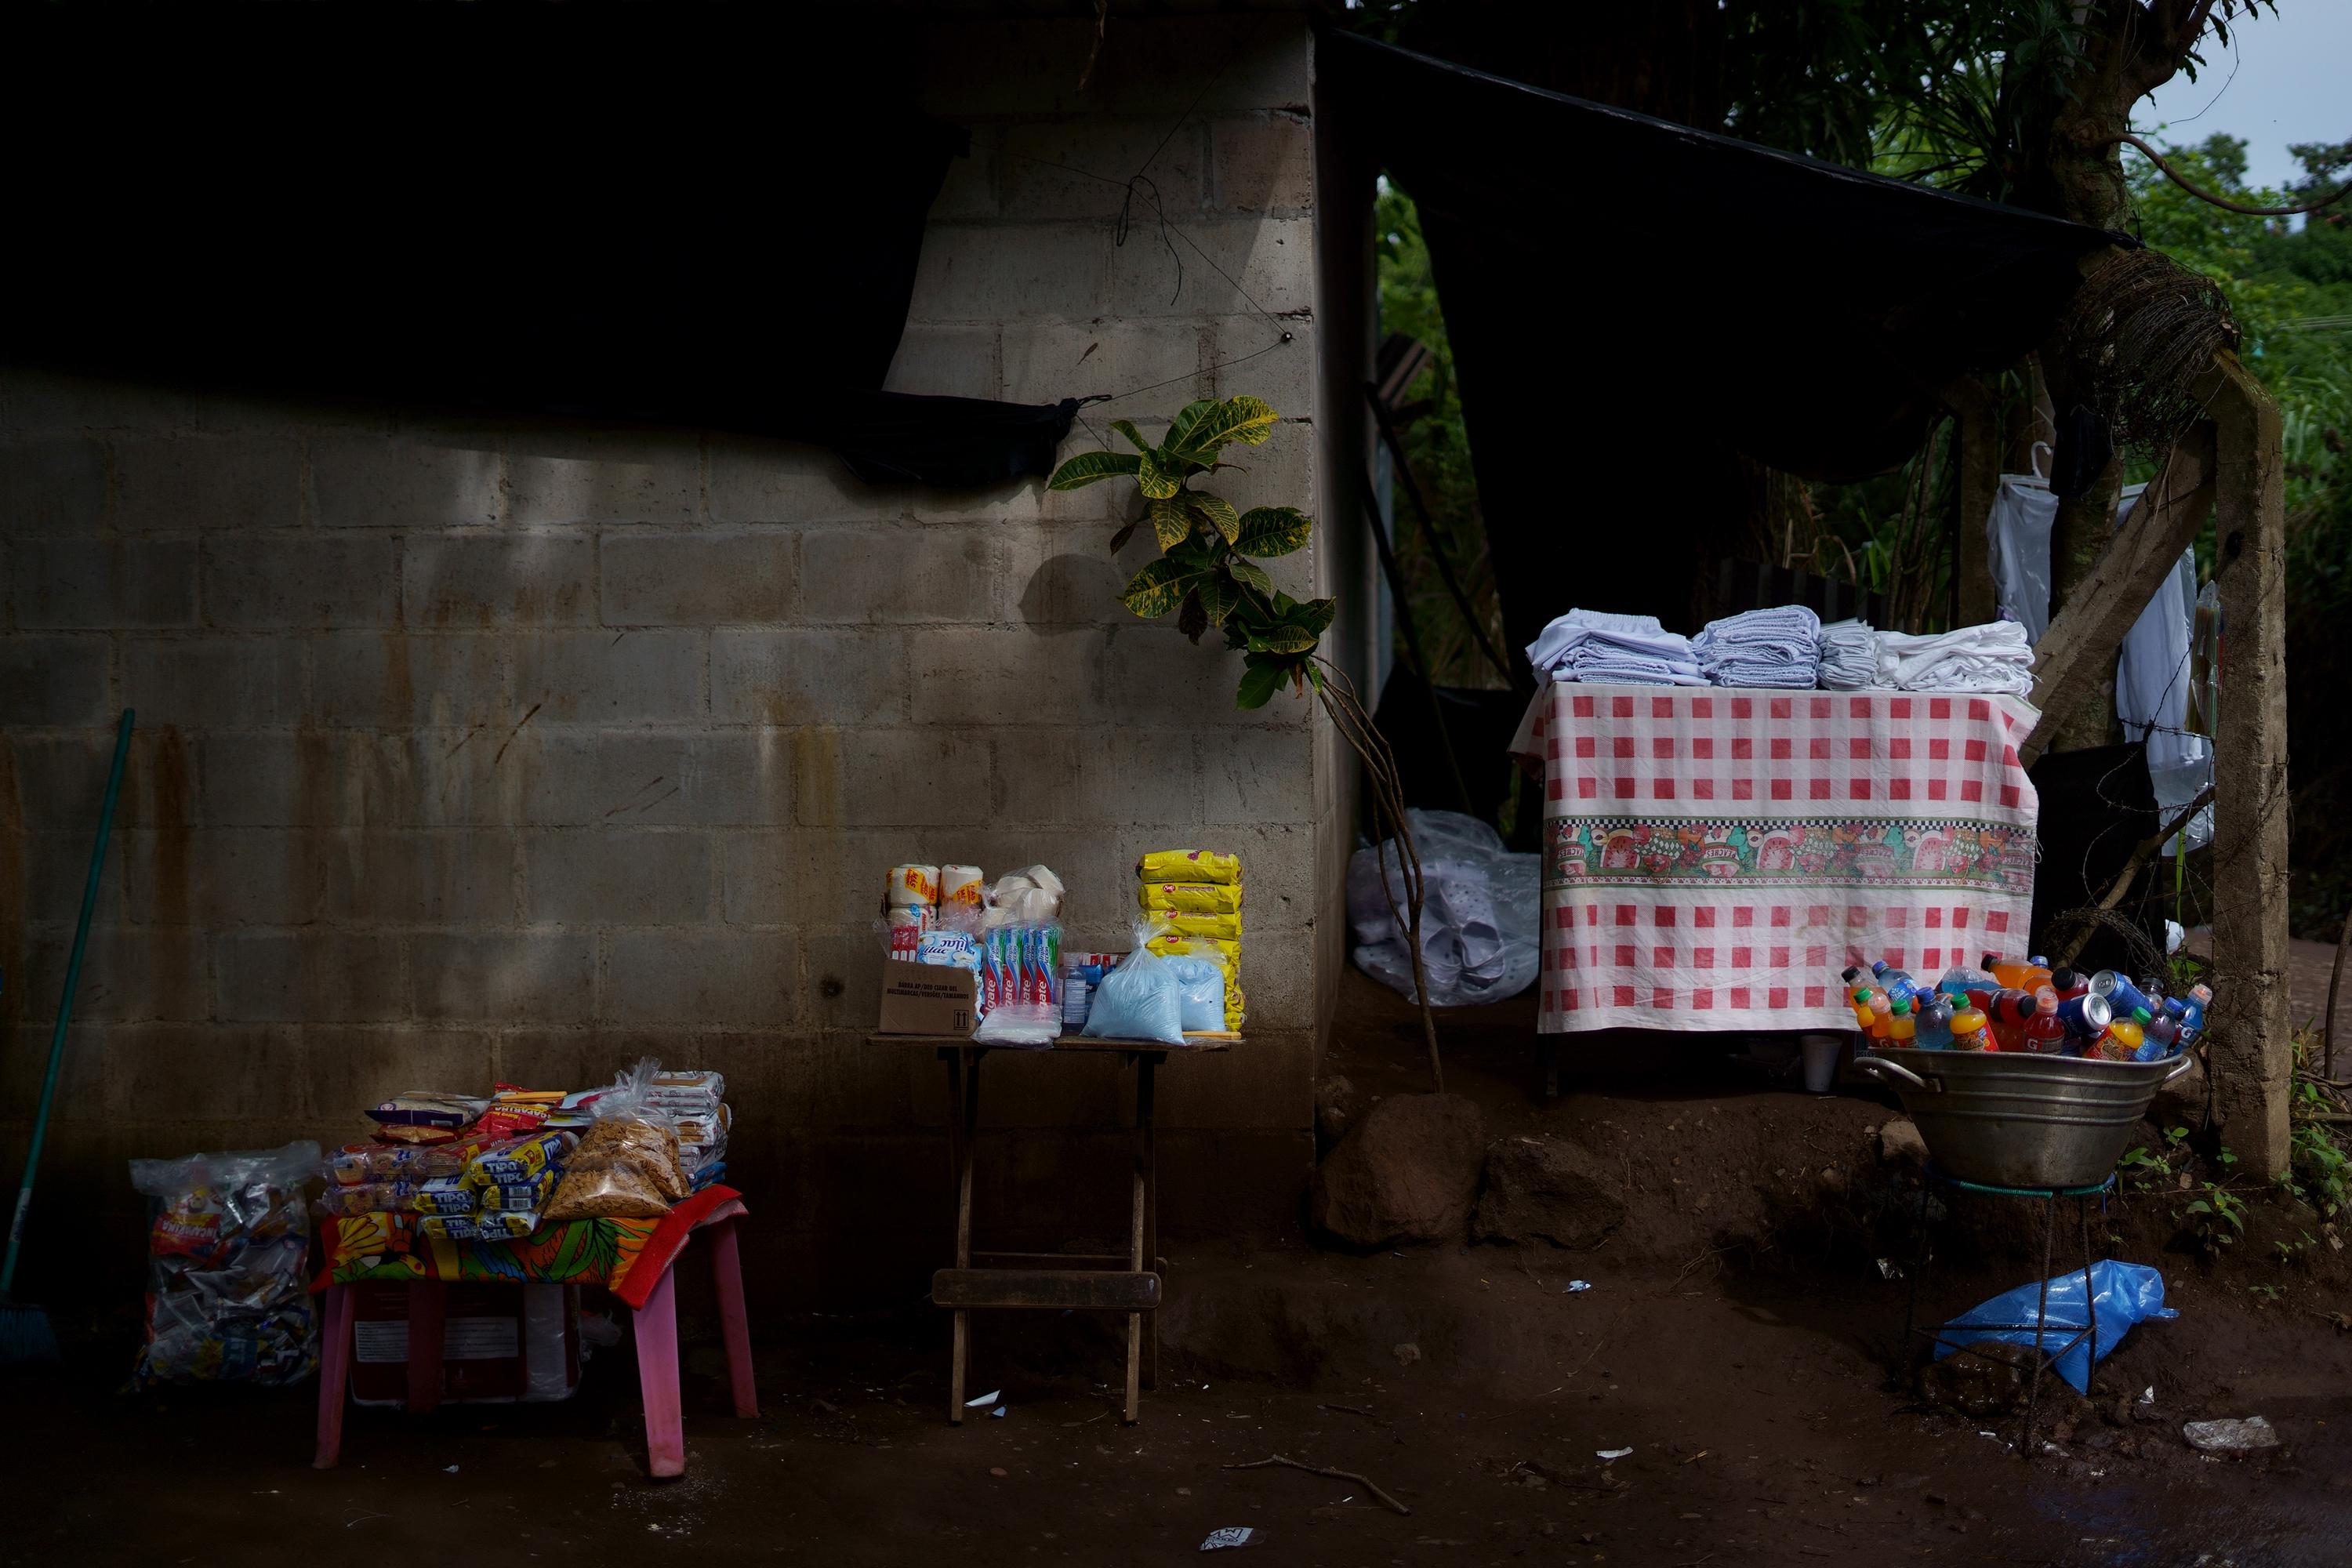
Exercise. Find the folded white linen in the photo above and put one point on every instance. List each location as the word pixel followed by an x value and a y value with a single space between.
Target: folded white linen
pixel 1849 655
pixel 1780 648
pixel 1994 656
pixel 1593 645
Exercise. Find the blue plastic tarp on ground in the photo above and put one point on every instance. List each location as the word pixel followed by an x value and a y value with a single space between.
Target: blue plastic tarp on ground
pixel 2124 1294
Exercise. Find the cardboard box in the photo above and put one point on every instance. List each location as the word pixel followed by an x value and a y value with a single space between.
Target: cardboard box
pixel 926 999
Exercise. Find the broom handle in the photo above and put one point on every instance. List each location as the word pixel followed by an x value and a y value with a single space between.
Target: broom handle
pixel 65 1003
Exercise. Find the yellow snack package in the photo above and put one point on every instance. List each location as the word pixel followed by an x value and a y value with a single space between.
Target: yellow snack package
pixel 1189 866
pixel 1219 927
pixel 1193 897
pixel 1226 954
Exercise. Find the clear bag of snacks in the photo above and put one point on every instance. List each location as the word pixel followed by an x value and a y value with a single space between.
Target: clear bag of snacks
pixel 627 1163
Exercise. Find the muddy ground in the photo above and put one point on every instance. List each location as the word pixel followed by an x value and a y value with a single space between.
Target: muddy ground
pixel 1738 1336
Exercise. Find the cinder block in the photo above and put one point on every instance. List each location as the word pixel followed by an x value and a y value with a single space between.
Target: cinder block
pixel 629 877
pixel 220 877
pixel 393 679
pixel 1002 676
pixel 1241 264
pixel 1266 1082
pixel 130 974
pixel 1151 674
pixel 203 1072
pixel 38 400
pixel 696 579
pixel 523 579
pixel 968 194
pixel 1148 369
pixel 945 362
pixel 46 680
pixel 310 976
pixel 81 1080
pixel 346 1070
pixel 413 480
pixel 782 481
pixel 101 584
pixel 512 976
pixel 1054 1095
pixel 189 482
pixel 837 1080
pixel 1253 358
pixel 603 676
pixel 61 779
pixel 793 677
pixel 1080 168
pixel 272 580
pixel 889 777
pixel 758 884
pixel 993 274
pixel 841 977
pixel 563 476
pixel 430 876
pixel 49 871
pixel 1067 576
pixel 1136 776
pixel 1228 1185
pixel 56 486
pixel 1252 776
pixel 1162 65
pixel 900 575
pixel 573 1058
pixel 737 978
pixel 429 778
pixel 1264 163
pixel 654 779
pixel 203 682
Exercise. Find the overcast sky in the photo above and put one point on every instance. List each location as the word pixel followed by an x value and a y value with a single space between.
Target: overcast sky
pixel 2293 82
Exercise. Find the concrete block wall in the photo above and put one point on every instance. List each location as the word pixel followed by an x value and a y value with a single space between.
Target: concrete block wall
pixel 509 751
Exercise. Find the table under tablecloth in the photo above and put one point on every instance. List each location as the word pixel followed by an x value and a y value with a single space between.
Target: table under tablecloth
pixel 1713 858
pixel 624 1256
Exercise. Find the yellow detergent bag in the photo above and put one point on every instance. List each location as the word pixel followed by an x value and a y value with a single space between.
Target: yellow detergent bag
pixel 1189 866
pixel 1193 897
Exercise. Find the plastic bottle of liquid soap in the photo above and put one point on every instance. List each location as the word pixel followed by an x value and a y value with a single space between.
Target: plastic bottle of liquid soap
pixel 1969 1031
pixel 1936 1023
pixel 2044 1034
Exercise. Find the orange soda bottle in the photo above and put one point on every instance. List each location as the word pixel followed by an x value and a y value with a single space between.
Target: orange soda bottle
pixel 1902 1029
pixel 1969 1031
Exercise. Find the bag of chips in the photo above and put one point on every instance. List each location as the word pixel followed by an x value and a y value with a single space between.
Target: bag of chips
pixel 627 1163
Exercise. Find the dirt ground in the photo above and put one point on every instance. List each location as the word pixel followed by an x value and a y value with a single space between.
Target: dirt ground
pixel 1738 1336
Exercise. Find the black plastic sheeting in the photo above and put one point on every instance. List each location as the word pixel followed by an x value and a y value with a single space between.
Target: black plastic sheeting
pixel 1634 306
pixel 707 217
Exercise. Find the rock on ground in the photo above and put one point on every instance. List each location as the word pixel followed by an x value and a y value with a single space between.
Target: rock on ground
pixel 1899 1143
pixel 1547 1189
pixel 2183 1102
pixel 1408 1171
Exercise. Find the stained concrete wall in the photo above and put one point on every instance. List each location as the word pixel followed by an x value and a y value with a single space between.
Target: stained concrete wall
pixel 481 752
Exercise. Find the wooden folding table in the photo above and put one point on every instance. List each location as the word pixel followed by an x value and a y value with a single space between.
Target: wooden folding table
pixel 1129 1282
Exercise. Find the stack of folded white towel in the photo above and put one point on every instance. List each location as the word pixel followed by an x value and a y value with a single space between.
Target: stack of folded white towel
pixel 1780 648
pixel 1990 658
pixel 1632 650
pixel 1849 655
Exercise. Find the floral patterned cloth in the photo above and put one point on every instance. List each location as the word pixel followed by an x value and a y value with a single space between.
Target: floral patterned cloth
pixel 624 1256
pixel 1712 861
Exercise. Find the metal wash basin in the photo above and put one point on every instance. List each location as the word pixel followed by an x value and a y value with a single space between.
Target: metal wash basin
pixel 2010 1119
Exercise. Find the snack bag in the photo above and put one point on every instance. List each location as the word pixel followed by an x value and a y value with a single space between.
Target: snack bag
pixel 1193 897
pixel 1224 951
pixel 448 1226
pixel 518 1158
pixel 428 1107
pixel 512 1195
pixel 516 1110
pixel 627 1161
pixel 1217 928
pixel 342 1202
pixel 505 1224
pixel 1189 866
pixel 444 1194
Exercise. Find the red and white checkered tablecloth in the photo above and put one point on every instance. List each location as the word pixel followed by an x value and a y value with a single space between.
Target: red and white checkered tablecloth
pixel 1713 857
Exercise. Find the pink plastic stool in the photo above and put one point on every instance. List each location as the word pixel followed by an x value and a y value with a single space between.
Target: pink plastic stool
pixel 657 1361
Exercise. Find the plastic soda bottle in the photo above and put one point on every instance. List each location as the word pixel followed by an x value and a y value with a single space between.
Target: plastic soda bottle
pixel 2163 1034
pixel 2125 1036
pixel 1859 1000
pixel 1969 1031
pixel 2026 974
pixel 2069 982
pixel 1881 1009
pixel 2044 1034
pixel 1902 1029
pixel 1960 979
pixel 2086 1018
pixel 2192 1012
pixel 1934 1023
pixel 1900 987
pixel 2121 994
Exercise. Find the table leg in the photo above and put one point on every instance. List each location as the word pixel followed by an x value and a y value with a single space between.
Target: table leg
pixel 1134 1239
pixel 2041 1319
pixel 428 1307
pixel 335 1375
pixel 657 1379
pixel 734 1323
pixel 963 1113
pixel 2090 1308
pixel 1144 1122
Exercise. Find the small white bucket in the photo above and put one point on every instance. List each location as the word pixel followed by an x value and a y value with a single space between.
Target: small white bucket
pixel 1821 1054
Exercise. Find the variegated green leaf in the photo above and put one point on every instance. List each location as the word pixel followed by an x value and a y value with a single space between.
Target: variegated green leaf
pixel 1157 589
pixel 1119 540
pixel 1087 466
pixel 1158 483
pixel 1134 436
pixel 1258 681
pixel 1169 521
pixel 1270 531
pixel 1219 595
pixel 1216 511
pixel 1254 574
pixel 1315 614
pixel 1243 421
pixel 1181 427
pixel 1191 618
pixel 1283 639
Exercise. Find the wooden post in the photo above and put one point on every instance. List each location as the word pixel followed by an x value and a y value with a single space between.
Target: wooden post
pixel 2079 648
pixel 1977 414
pixel 2249 1027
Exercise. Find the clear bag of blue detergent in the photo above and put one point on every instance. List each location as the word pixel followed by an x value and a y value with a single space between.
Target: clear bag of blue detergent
pixel 1202 987
pixel 1142 999
pixel 2123 1294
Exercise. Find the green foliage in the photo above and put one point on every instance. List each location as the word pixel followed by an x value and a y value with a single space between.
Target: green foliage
pixel 2216 1220
pixel 1204 572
